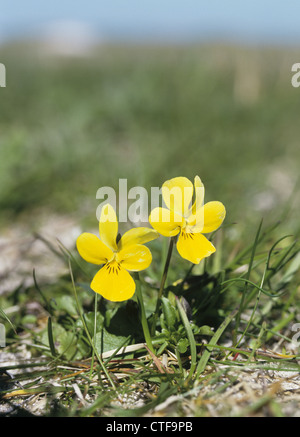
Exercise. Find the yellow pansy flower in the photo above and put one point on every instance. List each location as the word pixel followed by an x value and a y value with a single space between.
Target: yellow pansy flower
pixel 113 281
pixel 189 220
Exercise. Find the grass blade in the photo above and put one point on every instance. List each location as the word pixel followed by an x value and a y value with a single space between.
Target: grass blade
pixel 50 337
pixel 87 331
pixel 190 336
pixel 255 244
pixel 5 317
pixel 206 354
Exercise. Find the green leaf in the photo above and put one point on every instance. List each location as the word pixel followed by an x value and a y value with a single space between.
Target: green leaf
pixel 169 313
pixel 67 345
pixel 105 341
pixel 205 330
pixel 66 303
pixel 89 320
pixel 83 349
pixel 182 345
pixel 59 340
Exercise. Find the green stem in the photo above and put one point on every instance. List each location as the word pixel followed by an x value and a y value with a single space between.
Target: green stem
pixel 162 283
pixel 143 313
pixel 191 338
pixel 206 354
pixel 95 331
pixel 241 308
pixel 87 331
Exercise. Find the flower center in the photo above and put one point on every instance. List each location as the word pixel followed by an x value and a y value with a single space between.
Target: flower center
pixel 187 228
pixel 187 233
pixel 112 267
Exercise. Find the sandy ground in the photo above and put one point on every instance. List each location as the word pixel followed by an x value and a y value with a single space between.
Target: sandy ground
pixel 27 247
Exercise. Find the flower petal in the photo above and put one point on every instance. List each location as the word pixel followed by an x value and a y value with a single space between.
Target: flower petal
pixel 195 221
pixel 199 196
pixel 113 282
pixel 135 257
pixel 194 247
pixel 214 214
pixel 108 226
pixel 166 222
pixel 139 235
pixel 92 250
pixel 177 194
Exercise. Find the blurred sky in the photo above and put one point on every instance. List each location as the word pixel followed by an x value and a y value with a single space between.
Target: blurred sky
pixel 253 21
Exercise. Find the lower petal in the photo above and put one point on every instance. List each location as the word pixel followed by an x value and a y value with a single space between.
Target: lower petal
pixel 194 247
pixel 114 283
pixel 135 258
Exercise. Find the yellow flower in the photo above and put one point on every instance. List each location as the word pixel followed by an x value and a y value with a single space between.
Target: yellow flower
pixel 113 281
pixel 188 220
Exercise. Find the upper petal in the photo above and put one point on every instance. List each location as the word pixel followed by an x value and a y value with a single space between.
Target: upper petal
pixel 92 250
pixel 214 215
pixel 194 247
pixel 108 226
pixel 113 282
pixel 135 257
pixel 139 235
pixel 166 222
pixel 199 196
pixel 177 194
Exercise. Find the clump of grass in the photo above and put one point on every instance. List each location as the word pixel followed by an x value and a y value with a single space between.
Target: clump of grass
pixel 216 324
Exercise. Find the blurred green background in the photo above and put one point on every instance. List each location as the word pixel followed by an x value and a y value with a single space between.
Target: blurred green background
pixel 70 125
